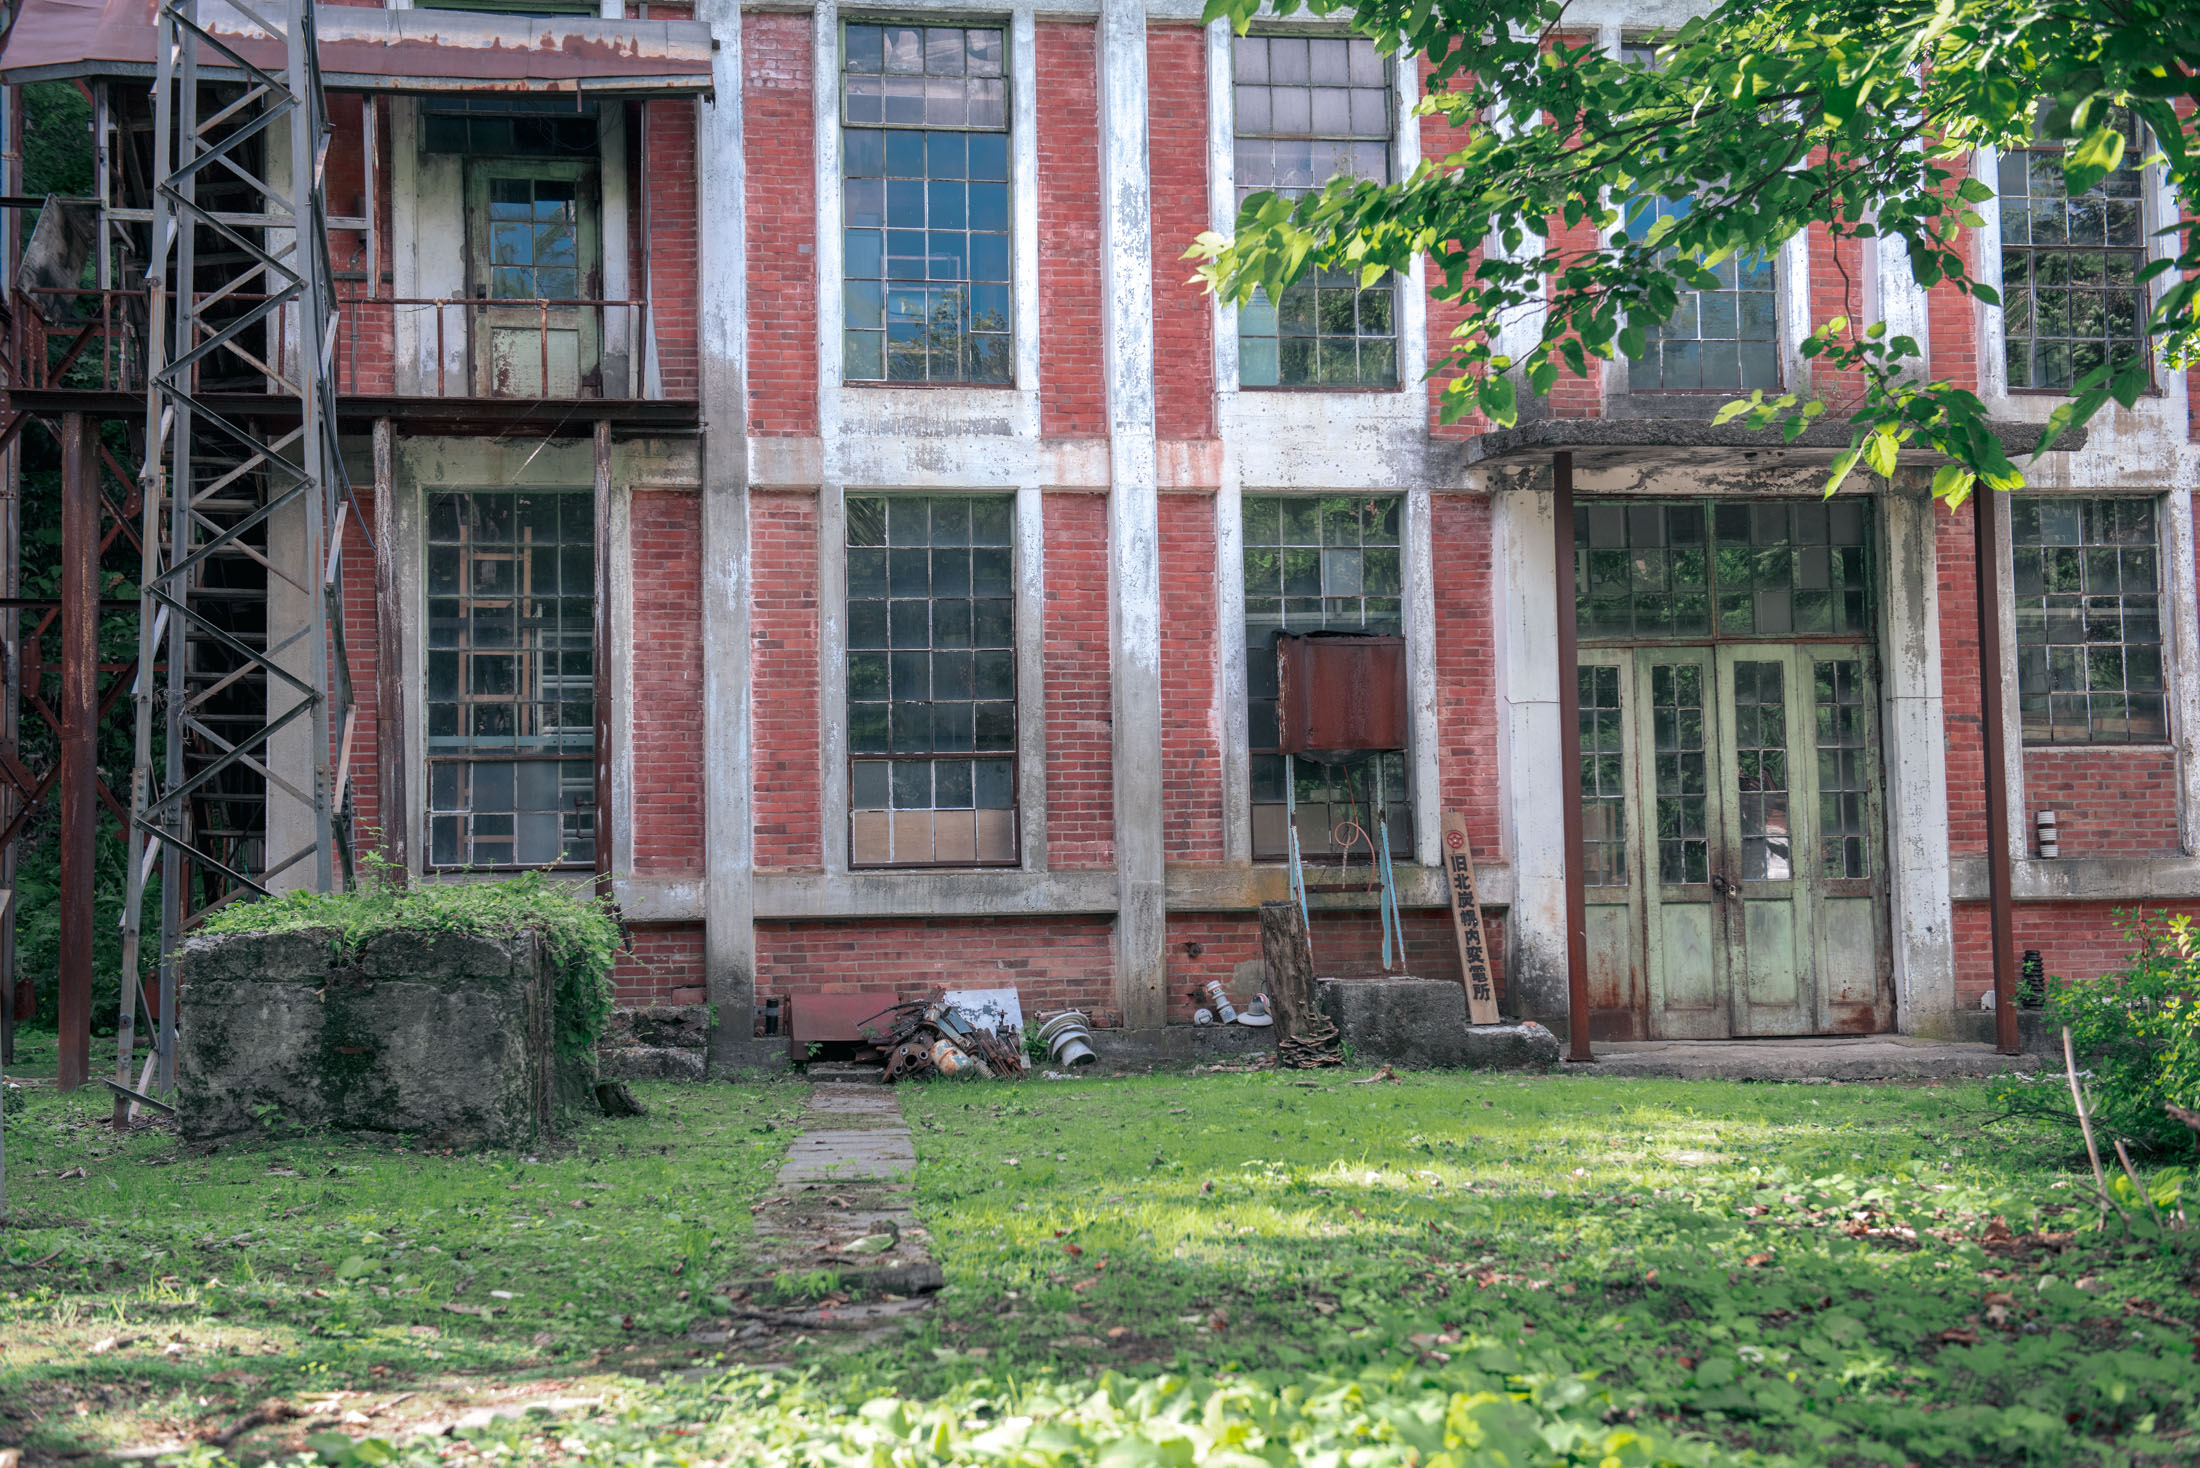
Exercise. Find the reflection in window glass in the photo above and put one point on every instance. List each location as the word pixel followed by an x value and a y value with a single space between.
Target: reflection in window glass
pixel 1683 798
pixel 924 205
pixel 1603 780
pixel 2089 621
pixel 1761 780
pixel 1310 109
pixel 534 239
pixel 1716 340
pixel 511 678
pixel 1844 770
pixel 1314 564
pixel 2071 297
pixel 1646 569
pixel 931 680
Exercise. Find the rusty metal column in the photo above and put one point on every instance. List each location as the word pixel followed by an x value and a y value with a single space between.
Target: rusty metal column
pixel 1987 510
pixel 1569 733
pixel 79 740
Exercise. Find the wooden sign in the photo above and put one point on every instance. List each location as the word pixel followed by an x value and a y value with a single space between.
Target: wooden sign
pixel 1466 922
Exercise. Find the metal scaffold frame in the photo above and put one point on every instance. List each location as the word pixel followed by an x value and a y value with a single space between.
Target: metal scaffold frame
pixel 282 287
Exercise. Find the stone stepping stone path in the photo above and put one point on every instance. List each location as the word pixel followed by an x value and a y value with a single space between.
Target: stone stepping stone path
pixel 837 1245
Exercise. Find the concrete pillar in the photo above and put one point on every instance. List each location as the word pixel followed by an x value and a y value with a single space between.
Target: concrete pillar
pixel 78 795
pixel 1134 534
pixel 291 586
pixel 1532 748
pixel 1914 744
pixel 729 904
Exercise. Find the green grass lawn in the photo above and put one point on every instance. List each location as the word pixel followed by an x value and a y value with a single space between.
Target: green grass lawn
pixel 1215 1269
pixel 154 1291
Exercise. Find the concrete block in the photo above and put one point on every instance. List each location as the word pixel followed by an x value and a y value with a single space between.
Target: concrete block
pixel 1422 1023
pixel 445 958
pixel 650 1063
pixel 680 1026
pixel 300 956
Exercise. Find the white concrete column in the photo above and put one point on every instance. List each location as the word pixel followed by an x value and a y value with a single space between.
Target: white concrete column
pixel 729 904
pixel 292 581
pixel 1913 737
pixel 1134 534
pixel 1531 747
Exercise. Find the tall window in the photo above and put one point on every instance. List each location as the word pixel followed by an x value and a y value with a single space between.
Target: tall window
pixel 1309 109
pixel 924 205
pixel 2089 621
pixel 1311 565
pixel 1717 340
pixel 2071 297
pixel 511 678
pixel 931 680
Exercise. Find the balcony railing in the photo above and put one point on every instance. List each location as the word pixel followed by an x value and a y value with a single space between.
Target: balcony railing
pixel 385 347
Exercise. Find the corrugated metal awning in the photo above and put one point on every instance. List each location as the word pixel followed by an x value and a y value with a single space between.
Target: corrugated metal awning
pixel 365 49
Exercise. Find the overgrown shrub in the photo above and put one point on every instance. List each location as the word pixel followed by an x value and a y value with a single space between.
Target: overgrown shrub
pixel 2137 1031
pixel 575 928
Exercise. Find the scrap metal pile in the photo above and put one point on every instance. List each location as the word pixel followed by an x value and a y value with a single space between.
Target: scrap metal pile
pixel 929 1037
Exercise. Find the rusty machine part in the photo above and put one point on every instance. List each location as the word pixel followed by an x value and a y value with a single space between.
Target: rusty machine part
pixel 923 1037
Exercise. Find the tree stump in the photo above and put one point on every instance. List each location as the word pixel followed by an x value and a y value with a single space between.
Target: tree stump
pixel 1308 1039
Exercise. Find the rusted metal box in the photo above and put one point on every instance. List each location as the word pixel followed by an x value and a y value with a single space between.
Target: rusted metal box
pixel 1340 693
pixel 835 1019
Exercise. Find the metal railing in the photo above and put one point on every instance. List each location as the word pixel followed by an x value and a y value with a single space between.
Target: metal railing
pixel 398 346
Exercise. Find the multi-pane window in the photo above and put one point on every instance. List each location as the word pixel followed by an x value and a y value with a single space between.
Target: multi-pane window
pixel 1760 771
pixel 1603 779
pixel 1645 569
pixel 924 205
pixel 2071 294
pixel 511 678
pixel 509 127
pixel 1683 777
pixel 931 680
pixel 1844 769
pixel 1309 109
pixel 534 239
pixel 1716 340
pixel 2089 621
pixel 1319 564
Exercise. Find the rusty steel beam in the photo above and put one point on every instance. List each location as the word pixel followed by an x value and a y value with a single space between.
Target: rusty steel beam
pixel 78 797
pixel 1569 736
pixel 1987 511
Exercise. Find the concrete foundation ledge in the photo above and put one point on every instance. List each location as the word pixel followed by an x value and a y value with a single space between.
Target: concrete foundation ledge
pixel 649 1063
pixel 1813 1059
pixel 1512 1046
pixel 1422 1024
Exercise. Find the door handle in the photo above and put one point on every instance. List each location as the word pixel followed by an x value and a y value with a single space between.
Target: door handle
pixel 1720 885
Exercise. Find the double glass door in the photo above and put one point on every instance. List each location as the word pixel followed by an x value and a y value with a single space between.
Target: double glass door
pixel 1731 819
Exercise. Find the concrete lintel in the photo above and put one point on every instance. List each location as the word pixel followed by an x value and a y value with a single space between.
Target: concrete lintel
pixel 2084 879
pixel 660 899
pixel 834 896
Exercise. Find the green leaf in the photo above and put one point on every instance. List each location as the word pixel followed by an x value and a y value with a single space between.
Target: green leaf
pixel 1542 376
pixel 1952 484
pixel 1499 401
pixel 2093 160
pixel 1974 191
pixel 353 1266
pixel 1838 471
pixel 1879 452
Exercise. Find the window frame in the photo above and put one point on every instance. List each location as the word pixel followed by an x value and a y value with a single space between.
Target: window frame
pixel 2165 608
pixel 850 756
pixel 1406 842
pixel 1006 25
pixel 1396 112
pixel 419 700
pixel 2144 251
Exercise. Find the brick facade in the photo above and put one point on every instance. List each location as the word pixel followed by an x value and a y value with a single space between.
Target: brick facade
pixel 1191 685
pixel 1051 962
pixel 1072 396
pixel 1080 752
pixel 779 136
pixel 668 683
pixel 783 554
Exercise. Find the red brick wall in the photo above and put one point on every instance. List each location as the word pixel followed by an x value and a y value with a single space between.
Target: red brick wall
pixel 1051 962
pixel 1836 289
pixel 1183 318
pixel 783 664
pixel 364 334
pixel 1080 711
pixel 1191 705
pixel 661 965
pixel 1072 399
pixel 2076 940
pixel 1466 666
pixel 1438 141
pixel 668 682
pixel 672 283
pixel 782 206
pixel 1959 682
pixel 1951 321
pixel 2107 801
pixel 1346 945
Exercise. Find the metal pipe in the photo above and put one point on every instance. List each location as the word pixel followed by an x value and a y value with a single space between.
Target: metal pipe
pixel 1569 736
pixel 1986 512
pixel 78 798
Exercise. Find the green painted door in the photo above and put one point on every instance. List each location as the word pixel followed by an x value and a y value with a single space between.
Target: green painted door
pixel 534 246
